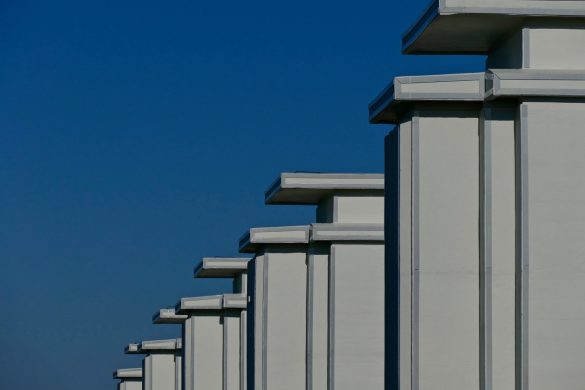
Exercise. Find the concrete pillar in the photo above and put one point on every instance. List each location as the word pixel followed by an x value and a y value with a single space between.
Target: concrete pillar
pixel 169 317
pixel 130 378
pixel 277 329
pixel 214 331
pixel 161 364
pixel 484 245
pixel 345 276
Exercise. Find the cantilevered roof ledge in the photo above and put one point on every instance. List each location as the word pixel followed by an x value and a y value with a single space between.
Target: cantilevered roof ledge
pixel 161 345
pixel 311 188
pixel 132 348
pixel 211 302
pixel 347 232
pixel 257 237
pixel 399 96
pixel 474 26
pixel 168 316
pixel 128 373
pixel 221 267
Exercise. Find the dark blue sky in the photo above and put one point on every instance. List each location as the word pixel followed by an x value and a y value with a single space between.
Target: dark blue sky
pixel 138 136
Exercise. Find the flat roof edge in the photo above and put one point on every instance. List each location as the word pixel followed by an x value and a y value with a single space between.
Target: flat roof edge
pixel 409 90
pixel 220 267
pixel 128 373
pixel 282 235
pixel 304 188
pixel 168 316
pixel 514 8
pixel 209 302
pixel 418 27
pixel 161 345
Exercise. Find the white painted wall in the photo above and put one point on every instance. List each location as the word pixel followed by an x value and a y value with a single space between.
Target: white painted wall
pixel 159 371
pixel 318 317
pixel 130 385
pixel 203 356
pixel 356 316
pixel 231 352
pixel 553 241
pixel 445 333
pixel 499 264
pixel 284 315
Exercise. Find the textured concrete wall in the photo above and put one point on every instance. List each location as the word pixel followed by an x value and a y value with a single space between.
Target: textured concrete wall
pixel 284 328
pixel 498 251
pixel 203 357
pixel 130 385
pixel 356 330
pixel 552 244
pixel 159 371
pixel 318 318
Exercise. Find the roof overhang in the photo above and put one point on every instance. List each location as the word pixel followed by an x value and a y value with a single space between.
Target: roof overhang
pixel 475 26
pixel 311 188
pixel 400 96
pixel 220 267
pixel 188 304
pixel 128 373
pixel 132 348
pixel 153 346
pixel 168 316
pixel 287 235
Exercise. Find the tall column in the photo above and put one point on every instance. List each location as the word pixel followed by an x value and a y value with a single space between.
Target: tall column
pixel 159 366
pixel 214 331
pixel 345 272
pixel 169 317
pixel 484 233
pixel 277 331
pixel 234 315
pixel 130 378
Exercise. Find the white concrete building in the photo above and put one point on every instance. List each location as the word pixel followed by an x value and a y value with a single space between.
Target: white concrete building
pixel 130 378
pixel 317 291
pixel 485 252
pixel 161 366
pixel 214 330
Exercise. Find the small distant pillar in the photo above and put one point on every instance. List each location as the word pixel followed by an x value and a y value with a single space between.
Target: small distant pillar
pixel 169 317
pixel 214 330
pixel 130 378
pixel 277 312
pixel 161 365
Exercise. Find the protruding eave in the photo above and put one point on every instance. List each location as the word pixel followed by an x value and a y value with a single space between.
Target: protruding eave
pixel 311 188
pixel 132 349
pixel 287 235
pixel 128 373
pixel 169 345
pixel 210 302
pixel 475 26
pixel 168 316
pixel 406 92
pixel 221 267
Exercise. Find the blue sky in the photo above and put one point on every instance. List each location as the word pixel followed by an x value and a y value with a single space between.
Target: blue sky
pixel 138 136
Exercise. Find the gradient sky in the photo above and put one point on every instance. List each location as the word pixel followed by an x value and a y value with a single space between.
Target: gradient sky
pixel 138 136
